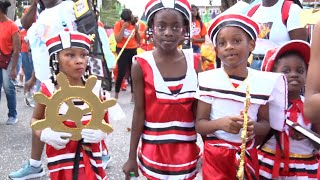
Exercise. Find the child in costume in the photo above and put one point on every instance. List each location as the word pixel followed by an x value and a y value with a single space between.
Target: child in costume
pixel 297 152
pixel 312 104
pixel 69 54
pixel 165 81
pixel 222 93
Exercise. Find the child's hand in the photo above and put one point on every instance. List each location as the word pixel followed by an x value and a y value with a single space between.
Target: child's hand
pixel 92 136
pixel 295 134
pixel 231 124
pixel 58 140
pixel 250 129
pixel 130 166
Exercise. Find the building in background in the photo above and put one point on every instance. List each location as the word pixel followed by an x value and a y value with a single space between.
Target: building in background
pixel 207 7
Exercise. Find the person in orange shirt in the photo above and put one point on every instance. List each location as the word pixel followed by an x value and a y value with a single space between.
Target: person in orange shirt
pixel 198 30
pixel 27 64
pixel 9 46
pixel 122 31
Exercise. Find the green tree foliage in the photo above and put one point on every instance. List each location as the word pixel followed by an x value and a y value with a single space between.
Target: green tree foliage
pixel 110 12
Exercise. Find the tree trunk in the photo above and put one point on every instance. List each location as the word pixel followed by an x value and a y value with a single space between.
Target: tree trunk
pixel 12 10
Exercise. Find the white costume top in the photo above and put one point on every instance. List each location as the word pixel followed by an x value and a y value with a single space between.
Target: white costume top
pixel 216 89
pixel 296 147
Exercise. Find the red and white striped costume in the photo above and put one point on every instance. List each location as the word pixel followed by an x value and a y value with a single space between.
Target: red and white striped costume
pixel 168 149
pixel 301 162
pixel 61 162
pixel 222 149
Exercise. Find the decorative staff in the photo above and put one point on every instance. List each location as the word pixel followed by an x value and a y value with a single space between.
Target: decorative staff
pixel 240 173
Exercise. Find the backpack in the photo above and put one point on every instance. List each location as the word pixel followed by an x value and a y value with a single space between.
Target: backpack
pixel 284 10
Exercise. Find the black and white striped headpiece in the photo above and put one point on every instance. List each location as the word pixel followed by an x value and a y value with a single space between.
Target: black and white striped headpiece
pixel 67 39
pixel 238 20
pixel 153 6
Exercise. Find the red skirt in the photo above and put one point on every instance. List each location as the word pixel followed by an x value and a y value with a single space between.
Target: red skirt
pixel 221 162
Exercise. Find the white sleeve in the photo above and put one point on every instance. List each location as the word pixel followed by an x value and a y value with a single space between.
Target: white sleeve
pixel 294 21
pixel 278 103
pixel 206 99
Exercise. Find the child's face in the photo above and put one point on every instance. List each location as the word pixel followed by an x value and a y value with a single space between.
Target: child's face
pixel 73 62
pixel 294 68
pixel 168 29
pixel 233 46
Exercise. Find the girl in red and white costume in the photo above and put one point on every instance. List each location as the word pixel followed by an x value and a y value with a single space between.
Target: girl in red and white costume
pixel 71 159
pixel 296 157
pixel 165 81
pixel 222 93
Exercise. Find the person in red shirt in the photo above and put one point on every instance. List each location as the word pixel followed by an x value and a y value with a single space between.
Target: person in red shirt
pixel 198 30
pixel 122 31
pixel 10 46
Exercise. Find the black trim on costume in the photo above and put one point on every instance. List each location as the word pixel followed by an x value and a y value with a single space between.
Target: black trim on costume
pixel 237 78
pixel 166 141
pixel 76 162
pixel 253 96
pixel 175 94
pixel 315 171
pixel 55 48
pixel 178 128
pixel 90 154
pixel 167 172
pixel 167 79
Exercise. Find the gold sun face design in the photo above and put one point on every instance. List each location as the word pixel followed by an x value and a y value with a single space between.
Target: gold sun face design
pixel 66 94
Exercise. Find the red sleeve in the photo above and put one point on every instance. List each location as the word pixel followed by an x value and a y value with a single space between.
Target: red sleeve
pixel 45 90
pixel 106 118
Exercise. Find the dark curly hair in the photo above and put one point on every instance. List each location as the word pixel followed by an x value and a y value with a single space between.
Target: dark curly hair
pixel 4 6
pixel 126 15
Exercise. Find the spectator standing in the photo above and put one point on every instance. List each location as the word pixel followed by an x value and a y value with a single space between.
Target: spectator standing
pixel 198 31
pixel 10 47
pixel 278 27
pixel 122 31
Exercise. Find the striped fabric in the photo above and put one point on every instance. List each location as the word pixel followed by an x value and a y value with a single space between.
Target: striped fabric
pixel 61 162
pixel 264 88
pixel 68 39
pixel 236 20
pixel 299 168
pixel 168 149
pixel 301 162
pixel 153 6
pixel 221 160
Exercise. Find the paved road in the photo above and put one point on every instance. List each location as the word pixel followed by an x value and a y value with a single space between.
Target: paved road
pixel 15 144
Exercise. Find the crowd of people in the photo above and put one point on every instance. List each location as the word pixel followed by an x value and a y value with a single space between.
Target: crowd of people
pixel 178 90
